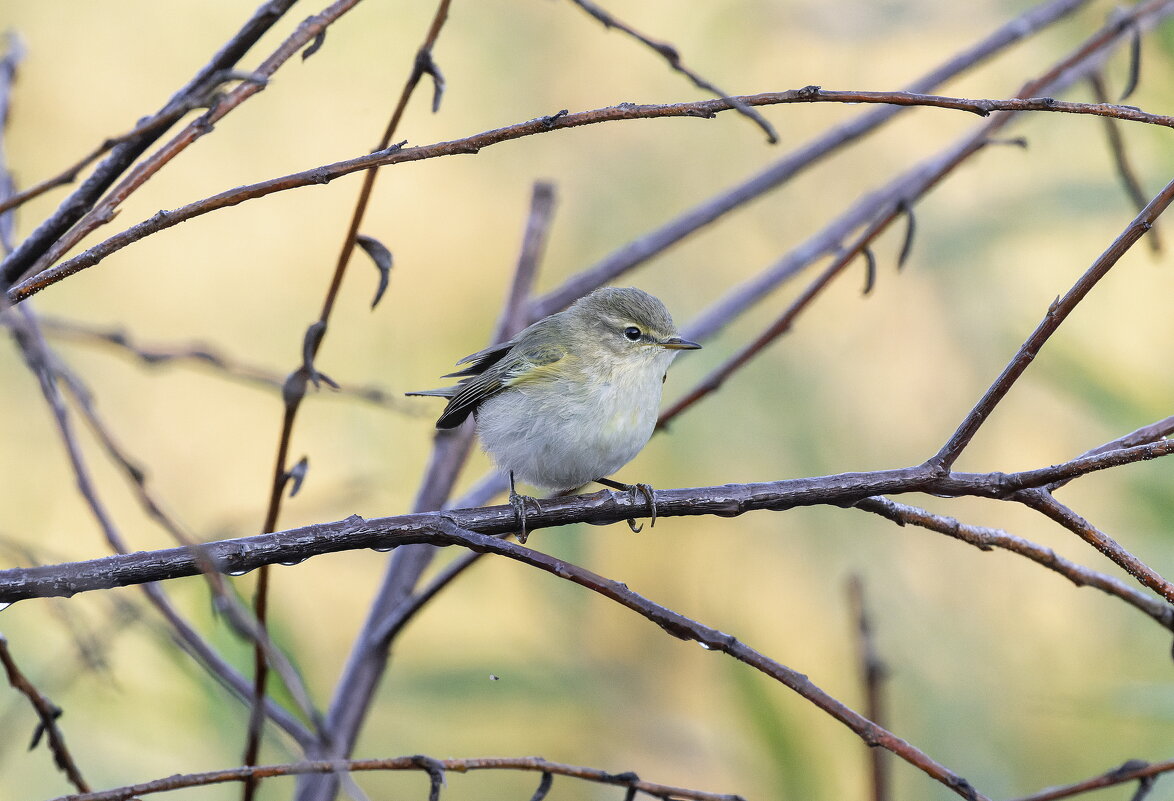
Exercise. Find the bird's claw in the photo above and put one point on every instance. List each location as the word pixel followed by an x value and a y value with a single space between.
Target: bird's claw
pixel 518 502
pixel 646 491
pixel 632 489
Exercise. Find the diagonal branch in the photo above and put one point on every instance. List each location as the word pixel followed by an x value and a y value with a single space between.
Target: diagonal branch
pixel 1043 501
pixel 48 713
pixel 1132 771
pixel 789 166
pixel 123 155
pixel 673 57
pixel 219 105
pixel 985 539
pixel 1057 313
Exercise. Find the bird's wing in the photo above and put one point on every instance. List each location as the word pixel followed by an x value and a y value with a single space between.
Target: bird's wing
pixel 491 371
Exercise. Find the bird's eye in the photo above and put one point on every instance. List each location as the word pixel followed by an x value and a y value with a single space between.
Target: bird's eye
pixel 633 333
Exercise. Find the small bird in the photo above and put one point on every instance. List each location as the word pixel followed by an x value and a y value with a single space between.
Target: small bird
pixel 573 397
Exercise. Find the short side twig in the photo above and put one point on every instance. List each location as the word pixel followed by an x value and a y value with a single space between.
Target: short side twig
pixel 48 713
pixel 673 57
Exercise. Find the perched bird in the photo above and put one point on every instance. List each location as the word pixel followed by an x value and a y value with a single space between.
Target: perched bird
pixel 573 397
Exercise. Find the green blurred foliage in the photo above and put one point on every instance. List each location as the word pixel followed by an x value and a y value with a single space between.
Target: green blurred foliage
pixel 999 669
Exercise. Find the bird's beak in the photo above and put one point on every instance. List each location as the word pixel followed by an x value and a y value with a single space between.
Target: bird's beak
pixel 676 343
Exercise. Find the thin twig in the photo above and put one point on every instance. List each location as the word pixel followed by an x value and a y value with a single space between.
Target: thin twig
pixel 527 764
pixel 1120 158
pixel 1044 502
pixel 872 676
pixel 477 142
pixel 117 340
pixel 123 155
pixel 1141 436
pixel 1056 314
pixel 48 713
pixel 156 123
pixel 671 55
pixel 659 240
pixel 393 605
pixel 1132 771
pixel 218 107
pixel 423 64
pixel 985 539
pixel 782 324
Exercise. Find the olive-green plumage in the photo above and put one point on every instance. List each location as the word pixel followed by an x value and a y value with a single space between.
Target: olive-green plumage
pixel 573 397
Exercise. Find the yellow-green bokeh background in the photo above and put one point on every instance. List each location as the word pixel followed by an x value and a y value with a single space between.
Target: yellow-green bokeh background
pixel 1003 671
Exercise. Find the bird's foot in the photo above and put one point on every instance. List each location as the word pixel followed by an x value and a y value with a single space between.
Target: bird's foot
pixel 518 502
pixel 643 489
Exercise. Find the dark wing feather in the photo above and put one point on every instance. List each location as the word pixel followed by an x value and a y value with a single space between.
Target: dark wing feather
pixel 529 356
pixel 482 360
pixel 492 371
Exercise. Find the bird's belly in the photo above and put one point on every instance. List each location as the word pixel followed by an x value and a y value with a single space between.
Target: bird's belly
pixel 559 438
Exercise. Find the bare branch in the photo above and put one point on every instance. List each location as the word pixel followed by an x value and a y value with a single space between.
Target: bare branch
pixel 1132 771
pixel 1121 160
pixel 48 714
pixel 872 675
pixel 423 64
pixel 603 507
pixel 1056 315
pixel 475 143
pixel 395 603
pixel 1142 436
pixel 987 538
pixel 445 529
pixel 218 107
pixel 124 154
pixel 1042 501
pixel 789 166
pixel 673 57
pixel 196 353
pixel 529 764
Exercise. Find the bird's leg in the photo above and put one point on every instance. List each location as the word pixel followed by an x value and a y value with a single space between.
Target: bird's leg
pixel 643 489
pixel 519 503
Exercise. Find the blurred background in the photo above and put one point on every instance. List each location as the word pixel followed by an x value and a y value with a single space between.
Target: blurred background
pixel 1001 670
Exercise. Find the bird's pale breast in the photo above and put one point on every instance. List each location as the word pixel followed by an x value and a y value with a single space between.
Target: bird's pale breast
pixel 563 432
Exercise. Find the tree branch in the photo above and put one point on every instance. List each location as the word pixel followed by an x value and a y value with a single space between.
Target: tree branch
pixel 1057 313
pixel 603 507
pixel 428 764
pixel 1132 771
pixel 125 153
pixel 475 143
pixel 671 55
pixel 48 714
pixel 985 539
